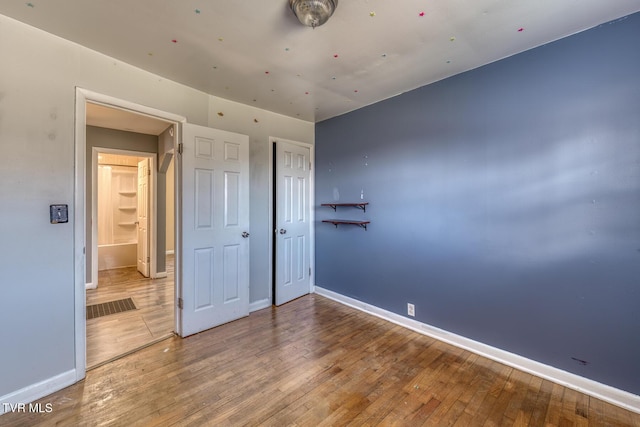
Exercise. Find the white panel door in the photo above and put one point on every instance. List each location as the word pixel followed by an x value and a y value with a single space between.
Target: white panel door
pixel 293 228
pixel 214 247
pixel 142 214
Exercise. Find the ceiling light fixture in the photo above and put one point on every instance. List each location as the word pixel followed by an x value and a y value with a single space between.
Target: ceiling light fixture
pixel 313 13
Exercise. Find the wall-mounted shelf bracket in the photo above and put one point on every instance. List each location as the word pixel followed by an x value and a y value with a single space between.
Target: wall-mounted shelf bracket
pixel 362 224
pixel 334 206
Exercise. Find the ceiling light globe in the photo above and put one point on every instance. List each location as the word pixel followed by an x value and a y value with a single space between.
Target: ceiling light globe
pixel 313 13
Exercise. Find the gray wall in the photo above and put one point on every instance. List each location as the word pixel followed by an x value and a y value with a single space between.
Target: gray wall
pixel 38 77
pixel 504 204
pixel 166 143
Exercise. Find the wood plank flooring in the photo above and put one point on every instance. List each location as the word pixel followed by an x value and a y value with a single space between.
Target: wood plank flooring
pixel 315 362
pixel 115 335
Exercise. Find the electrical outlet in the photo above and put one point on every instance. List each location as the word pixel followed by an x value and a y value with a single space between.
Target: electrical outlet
pixel 411 310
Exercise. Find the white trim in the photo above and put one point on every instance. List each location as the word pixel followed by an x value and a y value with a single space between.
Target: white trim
pixel 312 214
pixel 177 224
pixel 94 218
pixel 38 390
pixel 171 252
pixel 79 240
pixel 79 212
pixel 259 305
pixel 584 385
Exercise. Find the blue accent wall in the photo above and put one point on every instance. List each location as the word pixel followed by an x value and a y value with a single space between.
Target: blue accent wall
pixel 504 204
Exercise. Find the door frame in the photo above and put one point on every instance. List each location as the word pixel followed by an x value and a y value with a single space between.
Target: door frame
pixel 83 96
pixel 153 226
pixel 272 206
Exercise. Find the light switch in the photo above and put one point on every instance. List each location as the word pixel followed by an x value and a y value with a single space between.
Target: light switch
pixel 59 213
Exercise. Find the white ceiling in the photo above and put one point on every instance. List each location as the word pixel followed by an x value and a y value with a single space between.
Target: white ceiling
pixel 255 51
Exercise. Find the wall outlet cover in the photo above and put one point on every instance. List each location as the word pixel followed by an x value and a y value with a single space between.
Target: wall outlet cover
pixel 411 309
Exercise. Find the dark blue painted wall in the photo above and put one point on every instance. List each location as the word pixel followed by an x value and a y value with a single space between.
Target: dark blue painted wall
pixel 504 203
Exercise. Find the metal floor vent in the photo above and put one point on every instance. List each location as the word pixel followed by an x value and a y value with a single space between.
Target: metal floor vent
pixel 111 307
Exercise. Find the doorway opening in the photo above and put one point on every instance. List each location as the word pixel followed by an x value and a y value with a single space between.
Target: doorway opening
pixel 131 293
pixel 117 115
pixel 123 214
pixel 274 221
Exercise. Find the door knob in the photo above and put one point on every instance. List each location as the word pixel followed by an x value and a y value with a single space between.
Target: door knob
pixel 245 234
pixel 283 231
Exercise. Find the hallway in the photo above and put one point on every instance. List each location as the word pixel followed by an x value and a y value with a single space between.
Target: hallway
pixel 115 335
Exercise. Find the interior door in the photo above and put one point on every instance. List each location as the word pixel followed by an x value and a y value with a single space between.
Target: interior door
pixel 293 228
pixel 142 213
pixel 214 271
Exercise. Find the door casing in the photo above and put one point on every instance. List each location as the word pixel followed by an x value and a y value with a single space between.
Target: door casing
pixel 80 205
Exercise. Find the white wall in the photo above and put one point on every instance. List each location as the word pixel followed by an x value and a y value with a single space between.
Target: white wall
pixel 38 77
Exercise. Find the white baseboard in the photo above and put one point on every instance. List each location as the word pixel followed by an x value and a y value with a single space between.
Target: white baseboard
pixel 259 305
pixel 170 252
pixel 91 286
pixel 584 385
pixel 38 390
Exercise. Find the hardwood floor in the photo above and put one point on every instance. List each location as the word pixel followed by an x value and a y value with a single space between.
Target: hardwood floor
pixel 112 336
pixel 315 362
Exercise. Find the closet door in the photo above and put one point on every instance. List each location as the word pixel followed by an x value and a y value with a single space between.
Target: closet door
pixel 293 228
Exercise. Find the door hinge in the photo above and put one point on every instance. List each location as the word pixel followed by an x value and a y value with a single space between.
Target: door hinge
pixel 309 271
pixel 149 172
pixel 180 303
pixel 180 148
pixel 309 165
pixel 148 259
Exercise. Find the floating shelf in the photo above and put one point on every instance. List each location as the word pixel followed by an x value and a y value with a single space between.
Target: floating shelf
pixel 128 193
pixel 335 222
pixel 362 206
pixel 127 223
pixel 127 208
